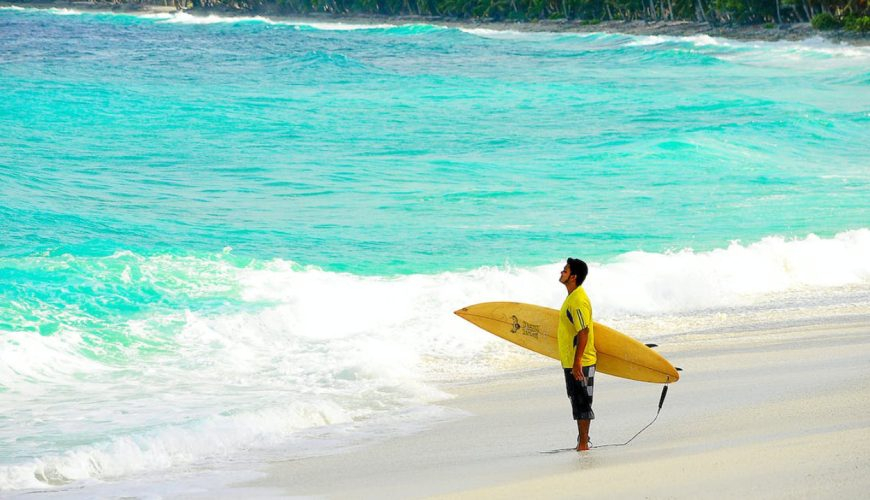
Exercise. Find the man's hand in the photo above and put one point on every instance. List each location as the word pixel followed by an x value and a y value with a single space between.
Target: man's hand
pixel 577 371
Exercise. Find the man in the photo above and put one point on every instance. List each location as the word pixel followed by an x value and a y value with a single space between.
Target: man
pixel 577 347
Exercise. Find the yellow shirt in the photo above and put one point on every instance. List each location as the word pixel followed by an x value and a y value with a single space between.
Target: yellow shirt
pixel 575 315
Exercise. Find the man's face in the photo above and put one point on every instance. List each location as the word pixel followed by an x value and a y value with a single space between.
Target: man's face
pixel 566 275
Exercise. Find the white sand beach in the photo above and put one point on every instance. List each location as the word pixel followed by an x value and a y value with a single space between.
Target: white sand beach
pixel 772 414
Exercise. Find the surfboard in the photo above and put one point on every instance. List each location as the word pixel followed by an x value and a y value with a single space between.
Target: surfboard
pixel 534 327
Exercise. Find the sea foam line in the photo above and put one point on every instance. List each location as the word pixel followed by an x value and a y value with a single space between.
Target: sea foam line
pixel 812 47
pixel 169 446
pixel 276 328
pixel 729 49
pixel 185 18
pixel 633 283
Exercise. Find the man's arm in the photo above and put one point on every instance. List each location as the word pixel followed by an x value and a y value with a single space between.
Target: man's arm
pixel 577 369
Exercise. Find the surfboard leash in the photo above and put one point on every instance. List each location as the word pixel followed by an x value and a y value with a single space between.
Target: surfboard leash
pixel 647 426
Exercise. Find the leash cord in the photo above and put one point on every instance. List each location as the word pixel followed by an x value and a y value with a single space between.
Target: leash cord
pixel 661 402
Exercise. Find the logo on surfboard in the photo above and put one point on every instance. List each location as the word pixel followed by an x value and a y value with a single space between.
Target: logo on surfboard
pixel 526 328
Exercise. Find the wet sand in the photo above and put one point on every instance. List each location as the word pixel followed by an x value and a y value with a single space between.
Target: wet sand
pixel 775 414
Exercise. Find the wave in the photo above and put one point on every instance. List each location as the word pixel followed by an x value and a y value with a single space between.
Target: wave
pixel 686 281
pixel 636 283
pixel 190 388
pixel 507 34
pixel 781 53
pixel 66 316
pixel 184 18
pixel 100 299
pixel 209 440
pixel 49 293
pixel 168 446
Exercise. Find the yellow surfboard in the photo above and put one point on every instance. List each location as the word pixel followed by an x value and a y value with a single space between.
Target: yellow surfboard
pixel 534 327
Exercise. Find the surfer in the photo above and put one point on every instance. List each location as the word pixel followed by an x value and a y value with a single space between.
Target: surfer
pixel 577 347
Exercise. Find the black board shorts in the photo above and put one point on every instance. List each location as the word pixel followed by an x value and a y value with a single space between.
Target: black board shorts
pixel 581 393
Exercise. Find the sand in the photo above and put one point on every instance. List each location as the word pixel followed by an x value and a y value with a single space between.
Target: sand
pixel 774 414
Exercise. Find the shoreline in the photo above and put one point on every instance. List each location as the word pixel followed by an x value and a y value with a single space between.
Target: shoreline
pixel 743 33
pixel 782 424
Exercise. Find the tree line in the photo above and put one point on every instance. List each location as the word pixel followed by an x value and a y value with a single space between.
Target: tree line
pixel 825 14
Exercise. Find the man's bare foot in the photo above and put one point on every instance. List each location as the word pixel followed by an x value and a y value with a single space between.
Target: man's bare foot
pixel 582 447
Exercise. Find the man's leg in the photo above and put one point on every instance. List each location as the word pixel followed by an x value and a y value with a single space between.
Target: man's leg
pixel 583 432
pixel 586 414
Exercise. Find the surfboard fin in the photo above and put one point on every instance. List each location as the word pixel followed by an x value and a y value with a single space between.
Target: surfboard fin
pixel 651 345
pixel 678 368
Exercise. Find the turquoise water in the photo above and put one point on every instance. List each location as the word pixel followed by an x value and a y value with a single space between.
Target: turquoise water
pixel 417 149
pixel 193 210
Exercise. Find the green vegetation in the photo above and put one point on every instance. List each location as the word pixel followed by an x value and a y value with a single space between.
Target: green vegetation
pixel 856 23
pixel 824 14
pixel 825 22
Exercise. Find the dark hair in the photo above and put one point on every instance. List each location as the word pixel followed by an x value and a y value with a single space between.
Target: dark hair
pixel 578 268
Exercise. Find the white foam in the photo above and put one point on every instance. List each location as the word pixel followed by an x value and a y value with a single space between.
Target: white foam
pixel 827 47
pixel 59 11
pixel 185 18
pixel 635 283
pixel 341 26
pixel 169 446
pixel 31 363
pixel 65 12
pixel 502 34
pixel 540 36
pixel 767 54
pixel 649 40
pixel 683 281
pixel 695 40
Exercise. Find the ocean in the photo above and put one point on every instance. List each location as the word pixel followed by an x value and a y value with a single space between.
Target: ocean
pixel 225 241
